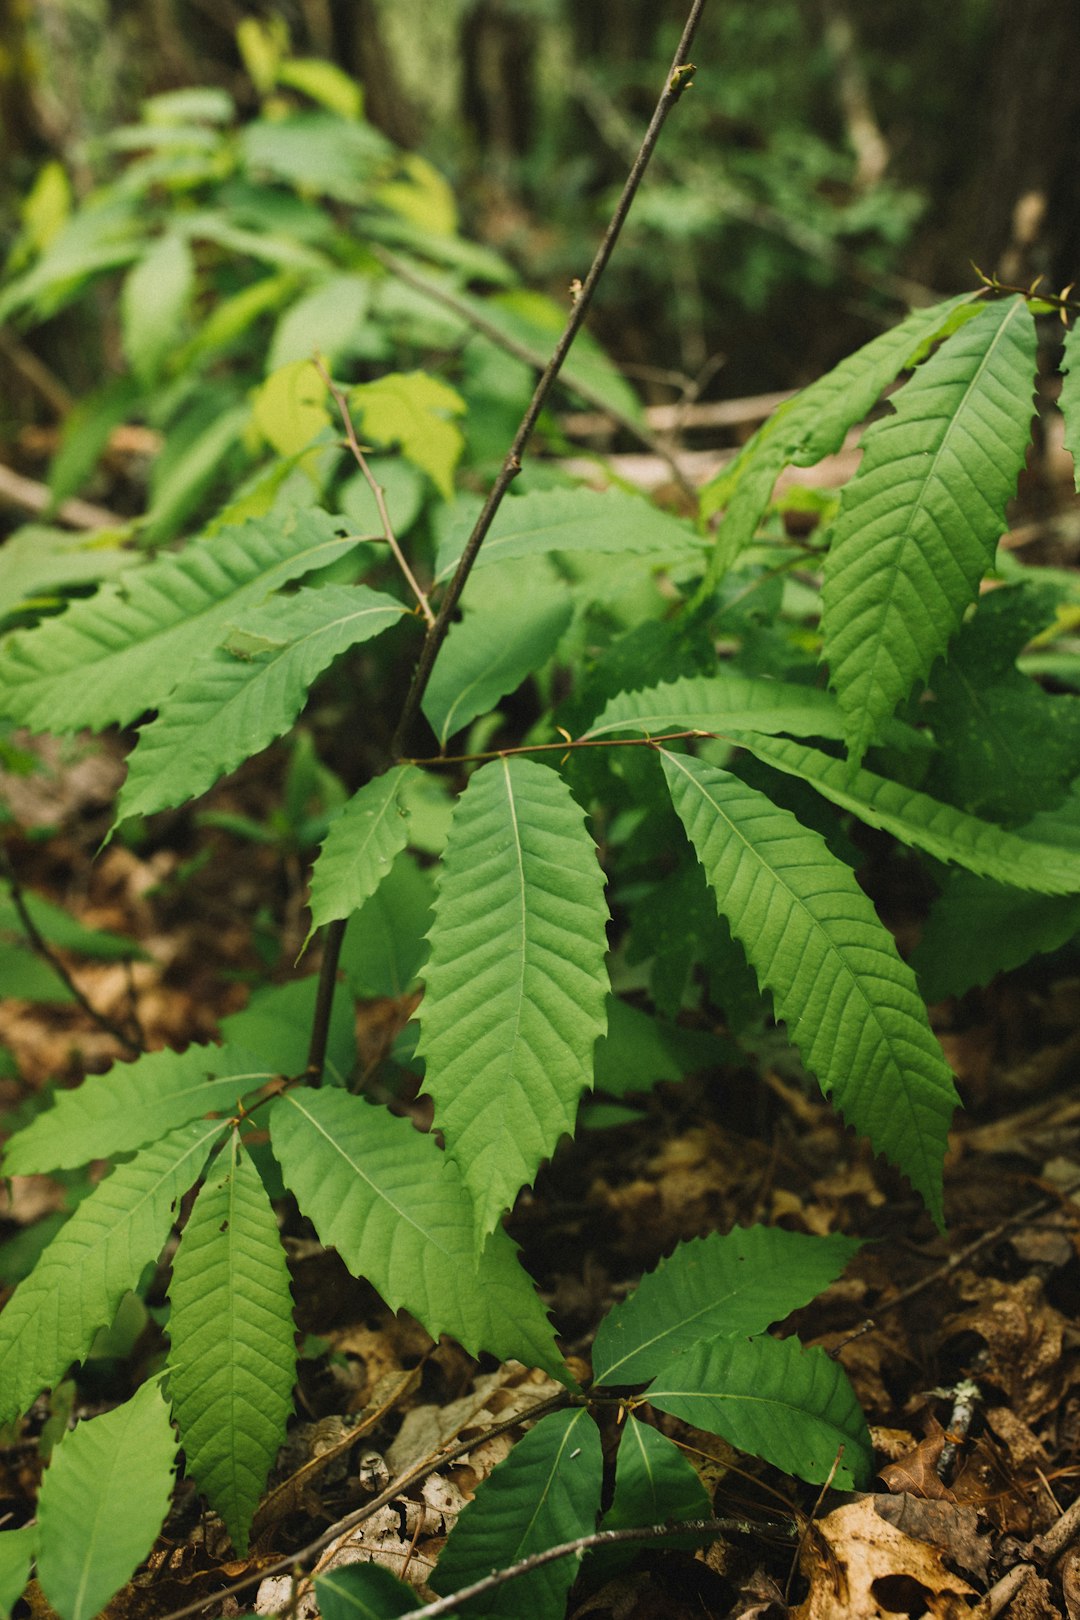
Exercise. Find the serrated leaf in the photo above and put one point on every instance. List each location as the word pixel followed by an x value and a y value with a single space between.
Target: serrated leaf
pixel 793 1407
pixel 386 943
pixel 415 410
pixel 920 521
pixel 481 659
pixel 1004 745
pixel 26 977
pixel 130 1105
pixel 728 1283
pixel 52 1317
pixel 103 1500
pixel 233 1359
pixel 976 930
pixel 925 823
pixel 60 928
pixel 17 1551
pixel 395 1209
pixel 721 702
pixel 836 978
pixel 811 426
pixel 154 300
pixel 232 704
pixel 574 520
pixel 360 847
pixel 363 1592
pixel 115 654
pixel 547 1491
pixel 516 979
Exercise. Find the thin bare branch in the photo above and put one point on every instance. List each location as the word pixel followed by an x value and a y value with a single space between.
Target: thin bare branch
pixel 377 491
pixel 132 1043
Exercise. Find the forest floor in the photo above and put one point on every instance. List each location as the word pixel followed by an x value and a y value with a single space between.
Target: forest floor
pixel 964 1349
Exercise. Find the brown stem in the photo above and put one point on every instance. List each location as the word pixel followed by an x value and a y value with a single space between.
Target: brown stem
pixel 674 87
pixel 676 83
pixel 534 358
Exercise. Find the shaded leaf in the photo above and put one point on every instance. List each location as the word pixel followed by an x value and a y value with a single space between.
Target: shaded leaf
pixel 363 1592
pixel 725 1284
pixel 276 1026
pixel 547 1491
pixel 654 1484
pixel 386 943
pixel 721 702
pixel 395 1209
pixel 233 1357
pixel 103 1500
pixel 516 980
pixel 814 940
pixel 154 300
pixel 771 1397
pixel 17 1550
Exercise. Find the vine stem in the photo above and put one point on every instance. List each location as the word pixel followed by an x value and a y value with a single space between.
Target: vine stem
pixel 679 77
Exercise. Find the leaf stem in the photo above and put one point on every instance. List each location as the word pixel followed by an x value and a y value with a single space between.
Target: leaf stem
pixel 674 85
pixel 377 491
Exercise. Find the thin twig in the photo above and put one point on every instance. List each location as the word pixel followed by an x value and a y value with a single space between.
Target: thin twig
pixel 377 491
pixel 673 89
pixel 569 745
pixel 580 1544
pixel 297 1560
pixel 44 950
pixel 534 358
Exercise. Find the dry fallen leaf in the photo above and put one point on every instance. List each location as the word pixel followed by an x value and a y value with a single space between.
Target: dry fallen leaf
pixel 863 1568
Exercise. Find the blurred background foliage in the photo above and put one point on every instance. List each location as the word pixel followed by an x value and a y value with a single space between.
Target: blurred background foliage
pixel 833 164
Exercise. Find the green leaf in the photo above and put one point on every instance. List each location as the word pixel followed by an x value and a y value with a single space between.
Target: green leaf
pixel 516 981
pixel 1005 746
pixel 276 1026
pixel 492 650
pixel 60 928
pixel 359 848
pixel 130 1105
pixel 547 1491
pixel 654 1484
pixel 925 823
pixel 239 697
pixel 811 426
pixel 574 520
pixel 976 930
pixel 38 561
pixel 51 1318
pixel 121 651
pixel 153 303
pixel 17 1551
pixel 26 977
pixel 395 1209
pixel 726 1284
pixel 414 409
pixel 920 522
pixel 233 1358
pixel 721 702
pixel 813 939
pixel 103 1500
pixel 386 943
pixel 793 1407
pixel 290 408
pixel 363 1592
pixel 639 1050
pixel 321 322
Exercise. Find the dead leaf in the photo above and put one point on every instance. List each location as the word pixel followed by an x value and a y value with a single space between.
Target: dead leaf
pixel 916 1472
pixel 863 1568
